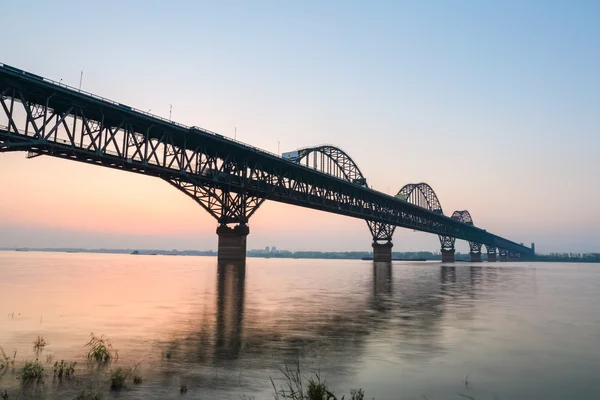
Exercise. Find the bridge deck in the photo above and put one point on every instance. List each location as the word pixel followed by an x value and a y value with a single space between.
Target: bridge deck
pixel 244 168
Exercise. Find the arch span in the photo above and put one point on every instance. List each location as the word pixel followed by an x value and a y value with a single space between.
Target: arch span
pixel 422 195
pixel 330 160
pixel 464 216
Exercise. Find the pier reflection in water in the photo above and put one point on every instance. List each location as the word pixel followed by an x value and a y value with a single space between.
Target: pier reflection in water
pixel 329 329
pixel 405 330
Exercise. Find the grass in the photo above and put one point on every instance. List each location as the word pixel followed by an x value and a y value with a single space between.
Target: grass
pixel 32 372
pixel 101 350
pixel 316 389
pixel 5 360
pixel 117 379
pixel 39 344
pixel 119 376
pixel 64 369
pixel 83 395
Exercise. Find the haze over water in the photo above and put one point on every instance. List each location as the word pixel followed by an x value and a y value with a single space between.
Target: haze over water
pixel 520 331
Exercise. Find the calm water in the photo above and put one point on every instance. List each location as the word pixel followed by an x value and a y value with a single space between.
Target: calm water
pixel 409 331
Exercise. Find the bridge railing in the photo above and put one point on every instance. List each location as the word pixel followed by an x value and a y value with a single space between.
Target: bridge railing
pixel 129 108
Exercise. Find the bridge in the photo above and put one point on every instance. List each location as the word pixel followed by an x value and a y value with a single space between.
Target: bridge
pixel 228 178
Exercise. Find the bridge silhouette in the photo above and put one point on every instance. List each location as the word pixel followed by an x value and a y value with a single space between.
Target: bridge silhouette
pixel 228 178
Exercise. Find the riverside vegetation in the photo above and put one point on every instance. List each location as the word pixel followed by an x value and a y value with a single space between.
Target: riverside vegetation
pixel 32 376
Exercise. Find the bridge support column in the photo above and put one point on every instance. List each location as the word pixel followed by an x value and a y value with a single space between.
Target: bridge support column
pixel 475 251
pixel 491 253
pixel 475 257
pixel 382 240
pixel 447 256
pixel 227 208
pixel 232 243
pixel 514 256
pixel 447 243
pixel 382 252
pixel 503 255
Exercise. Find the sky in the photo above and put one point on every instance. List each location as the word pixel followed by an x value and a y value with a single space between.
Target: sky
pixel 494 104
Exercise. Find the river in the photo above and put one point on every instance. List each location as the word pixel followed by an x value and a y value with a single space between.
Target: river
pixel 405 331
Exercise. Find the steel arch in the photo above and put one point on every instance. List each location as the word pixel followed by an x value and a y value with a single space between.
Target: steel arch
pixel 464 216
pixel 332 161
pixel 423 195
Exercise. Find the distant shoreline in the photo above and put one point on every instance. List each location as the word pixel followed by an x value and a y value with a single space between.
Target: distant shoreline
pixel 320 255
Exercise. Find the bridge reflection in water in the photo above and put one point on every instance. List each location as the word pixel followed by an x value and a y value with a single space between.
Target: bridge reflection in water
pixel 402 305
pixel 231 281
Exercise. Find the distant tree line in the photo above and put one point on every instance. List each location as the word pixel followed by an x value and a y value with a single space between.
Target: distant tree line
pixel 569 257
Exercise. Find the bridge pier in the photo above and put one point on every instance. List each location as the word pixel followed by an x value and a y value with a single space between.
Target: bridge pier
pixel 491 253
pixel 448 255
pixel 475 257
pixel 475 251
pixel 232 243
pixel 514 256
pixel 448 250
pixel 382 240
pixel 503 255
pixel 382 252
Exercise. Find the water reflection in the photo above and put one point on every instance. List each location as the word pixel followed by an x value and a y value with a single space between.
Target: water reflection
pixel 411 304
pixel 397 305
pixel 223 330
pixel 382 286
pixel 231 280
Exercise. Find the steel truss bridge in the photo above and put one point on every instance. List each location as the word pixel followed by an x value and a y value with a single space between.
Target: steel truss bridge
pixel 229 179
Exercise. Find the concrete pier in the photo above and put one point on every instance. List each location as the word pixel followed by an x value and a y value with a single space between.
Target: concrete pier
pixel 475 257
pixel 232 243
pixel 382 252
pixel 447 256
pixel 503 258
pixel 491 257
pixel 514 257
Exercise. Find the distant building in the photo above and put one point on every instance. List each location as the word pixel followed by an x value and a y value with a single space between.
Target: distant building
pixel 273 249
pixel 267 249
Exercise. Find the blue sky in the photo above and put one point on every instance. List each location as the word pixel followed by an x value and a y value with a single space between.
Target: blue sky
pixel 495 104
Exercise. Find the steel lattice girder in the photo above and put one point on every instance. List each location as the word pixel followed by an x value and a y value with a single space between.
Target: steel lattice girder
pixel 490 249
pixel 381 231
pixel 42 118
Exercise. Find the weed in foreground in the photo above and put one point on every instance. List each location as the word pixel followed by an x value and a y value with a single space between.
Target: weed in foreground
pixel 5 360
pixel 357 394
pixel 293 387
pixel 64 369
pixel 4 395
pixel 137 380
pixel 32 372
pixel 117 379
pixel 83 395
pixel 39 344
pixel 101 350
